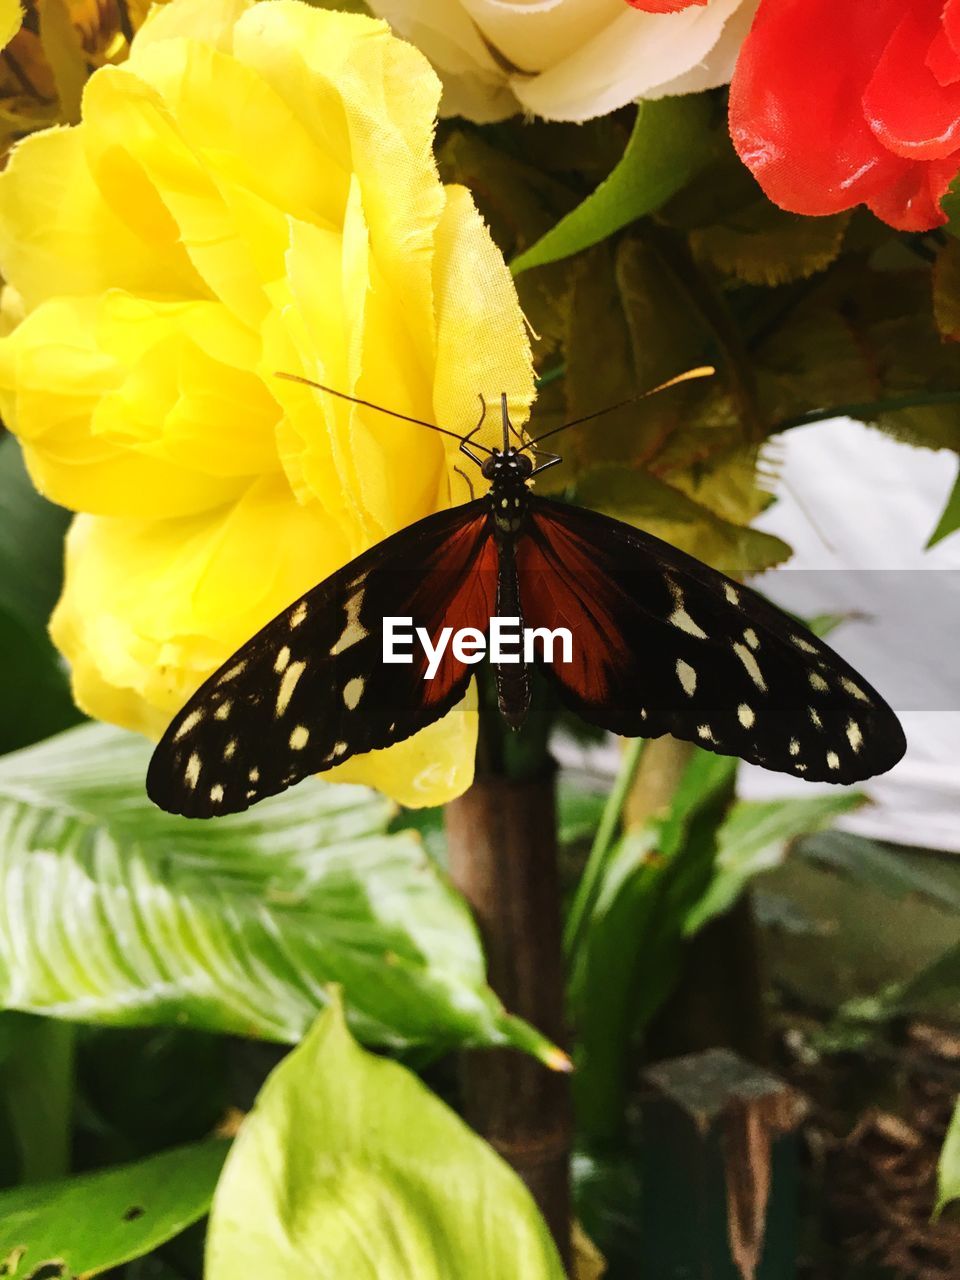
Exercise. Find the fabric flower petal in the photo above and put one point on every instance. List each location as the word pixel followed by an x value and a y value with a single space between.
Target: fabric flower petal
pixel 909 110
pixel 634 56
pixel 812 152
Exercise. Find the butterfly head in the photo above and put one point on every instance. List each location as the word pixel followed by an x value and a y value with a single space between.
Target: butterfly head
pixel 508 472
pixel 507 465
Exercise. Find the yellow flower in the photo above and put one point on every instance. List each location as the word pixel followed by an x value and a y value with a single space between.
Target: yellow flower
pixel 253 191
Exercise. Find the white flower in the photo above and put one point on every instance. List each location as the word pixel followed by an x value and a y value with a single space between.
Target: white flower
pixel 568 59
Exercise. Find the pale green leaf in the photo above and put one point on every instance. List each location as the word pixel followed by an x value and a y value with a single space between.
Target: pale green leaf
pixel 349 1166
pixel 644 500
pixel 948 1170
pixel 763 245
pixel 112 911
pixel 96 1221
pixel 753 838
pixel 671 139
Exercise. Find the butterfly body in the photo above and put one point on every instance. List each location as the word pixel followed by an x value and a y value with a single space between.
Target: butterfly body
pixel 661 644
pixel 508 472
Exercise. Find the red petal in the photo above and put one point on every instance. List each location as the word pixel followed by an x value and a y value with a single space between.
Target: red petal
pixel 911 202
pixel 942 60
pixel 909 111
pixel 664 6
pixel 951 23
pixel 796 114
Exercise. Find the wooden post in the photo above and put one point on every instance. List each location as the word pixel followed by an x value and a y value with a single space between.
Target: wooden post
pixel 719 1170
pixel 503 859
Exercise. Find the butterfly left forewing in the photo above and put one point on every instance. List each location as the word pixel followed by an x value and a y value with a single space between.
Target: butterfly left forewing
pixel 663 644
pixel 311 689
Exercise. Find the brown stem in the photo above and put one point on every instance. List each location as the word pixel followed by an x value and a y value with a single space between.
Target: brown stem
pixel 503 859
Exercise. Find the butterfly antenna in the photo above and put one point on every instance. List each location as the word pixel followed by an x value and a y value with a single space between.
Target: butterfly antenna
pixel 702 371
pixel 367 404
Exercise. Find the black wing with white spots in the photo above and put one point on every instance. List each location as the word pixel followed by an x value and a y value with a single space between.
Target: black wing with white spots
pixel 310 689
pixel 664 644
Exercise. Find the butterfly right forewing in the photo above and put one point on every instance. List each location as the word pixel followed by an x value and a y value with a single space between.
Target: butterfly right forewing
pixel 664 644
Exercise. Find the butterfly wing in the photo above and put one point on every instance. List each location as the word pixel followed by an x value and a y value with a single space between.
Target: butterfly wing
pixel 311 689
pixel 664 644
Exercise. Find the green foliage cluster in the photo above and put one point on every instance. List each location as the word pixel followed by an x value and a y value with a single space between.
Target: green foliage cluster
pixel 146 962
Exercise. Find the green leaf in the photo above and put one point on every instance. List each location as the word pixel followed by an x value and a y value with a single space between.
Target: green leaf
pixel 31 543
pixel 628 955
pixel 948 1170
pixel 653 505
pixel 37 1095
pixel 753 838
pixel 949 521
pixel 90 1223
pixel 349 1167
pixel 35 699
pixel 763 245
pixel 946 290
pixel 671 139
pixel 112 911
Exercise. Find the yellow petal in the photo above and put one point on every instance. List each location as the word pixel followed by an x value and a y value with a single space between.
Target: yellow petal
pixel 479 351
pixel 11 20
pixel 151 607
pixel 59 236
pixel 129 406
pixel 432 767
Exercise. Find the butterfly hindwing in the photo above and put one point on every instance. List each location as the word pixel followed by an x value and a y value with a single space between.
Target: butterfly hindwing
pixel 663 644
pixel 311 689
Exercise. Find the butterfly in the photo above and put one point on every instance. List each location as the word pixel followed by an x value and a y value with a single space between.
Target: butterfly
pixel 661 643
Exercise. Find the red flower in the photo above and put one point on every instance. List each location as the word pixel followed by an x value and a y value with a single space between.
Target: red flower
pixel 664 6
pixel 838 102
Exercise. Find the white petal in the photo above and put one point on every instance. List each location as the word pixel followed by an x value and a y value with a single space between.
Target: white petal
pixel 474 82
pixel 634 56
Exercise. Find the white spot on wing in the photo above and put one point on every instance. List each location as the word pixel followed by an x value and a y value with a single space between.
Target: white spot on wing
pixel 794 747
pixel 192 719
pixel 815 718
pixel 223 710
pixel 299 737
pixel 229 749
pixel 283 657
pixel 705 732
pixel 299 614
pixel 751 637
pixel 192 772
pixel 254 775
pixel 681 619
pixel 854 689
pixel 746 715
pixel 233 672
pixel 805 645
pixel 750 662
pixel 833 760
pixel 817 682
pixel 732 594
pixel 352 692
pixel 287 686
pixel 216 793
pixel 339 748
pixel 687 677
pixel 352 630
pixel 854 736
